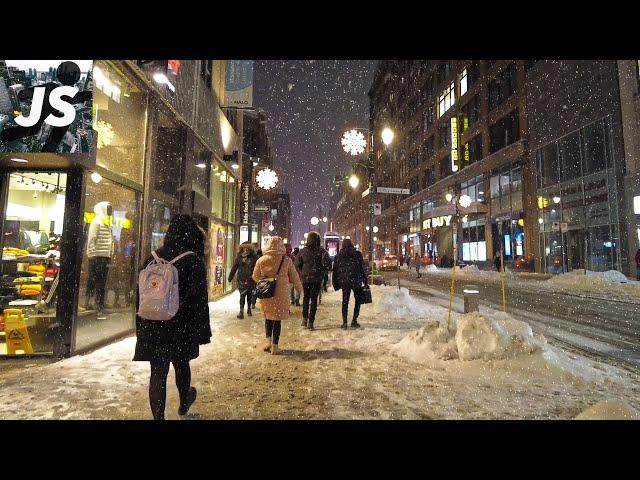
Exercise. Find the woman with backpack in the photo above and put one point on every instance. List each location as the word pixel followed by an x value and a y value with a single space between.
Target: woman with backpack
pixel 177 339
pixel 313 261
pixel 348 275
pixel 243 266
pixel 274 263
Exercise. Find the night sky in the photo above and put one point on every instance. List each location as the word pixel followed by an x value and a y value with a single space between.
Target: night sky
pixel 309 104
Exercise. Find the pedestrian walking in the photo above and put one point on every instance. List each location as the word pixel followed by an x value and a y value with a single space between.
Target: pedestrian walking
pixel 407 260
pixel 497 260
pixel 638 264
pixel 177 340
pixel 401 260
pixel 258 255
pixel 418 262
pixel 295 297
pixel 243 267
pixel 275 263
pixel 348 276
pixel 313 261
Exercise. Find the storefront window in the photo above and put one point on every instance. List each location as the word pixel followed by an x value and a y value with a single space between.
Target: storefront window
pixel 31 261
pixel 109 266
pixel 230 256
pixel 200 163
pixel 593 138
pixel 168 156
pixel 231 199
pixel 216 266
pixel 570 157
pixel 218 184
pixel 474 247
pixel 160 218
pixel 120 119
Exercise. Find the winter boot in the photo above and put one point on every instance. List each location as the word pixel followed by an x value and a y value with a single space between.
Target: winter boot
pixel 344 322
pixel 249 312
pixel 191 397
pixel 267 346
pixel 310 325
pixel 304 323
pixel 354 323
pixel 241 314
pixel 274 349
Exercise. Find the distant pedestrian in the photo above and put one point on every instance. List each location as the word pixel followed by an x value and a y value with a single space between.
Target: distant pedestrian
pixel 349 275
pixel 418 262
pixel 243 266
pixel 177 340
pixel 258 254
pixel 638 264
pixel 276 308
pixel 313 261
pixel 497 260
pixel 401 259
pixel 407 260
pixel 295 296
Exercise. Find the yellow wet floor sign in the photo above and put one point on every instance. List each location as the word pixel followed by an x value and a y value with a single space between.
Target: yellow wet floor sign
pixel 17 336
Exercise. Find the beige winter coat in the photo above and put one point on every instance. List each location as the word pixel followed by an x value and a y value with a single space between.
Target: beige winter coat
pixel 277 307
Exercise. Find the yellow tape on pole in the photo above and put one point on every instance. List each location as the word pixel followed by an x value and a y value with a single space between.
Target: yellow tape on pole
pixel 17 336
pixel 504 296
pixel 453 282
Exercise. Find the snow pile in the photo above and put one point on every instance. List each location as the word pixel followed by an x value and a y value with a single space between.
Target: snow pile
pixel 430 268
pixel 577 279
pixel 609 410
pixel 470 269
pixel 431 342
pixel 391 302
pixel 496 338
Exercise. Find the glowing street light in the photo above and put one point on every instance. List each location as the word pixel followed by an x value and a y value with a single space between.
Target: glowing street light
pixel 354 181
pixel 448 197
pixel 314 221
pixel 387 136
pixel 325 219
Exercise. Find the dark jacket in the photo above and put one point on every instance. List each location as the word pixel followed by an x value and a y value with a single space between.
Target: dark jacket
pixel 638 258
pixel 243 266
pixel 313 261
pixel 497 262
pixel 348 269
pixel 178 339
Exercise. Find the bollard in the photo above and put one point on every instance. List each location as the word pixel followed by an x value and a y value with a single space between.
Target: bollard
pixel 471 298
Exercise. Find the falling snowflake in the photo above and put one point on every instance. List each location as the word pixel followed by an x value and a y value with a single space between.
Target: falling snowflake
pixel 354 142
pixel 290 86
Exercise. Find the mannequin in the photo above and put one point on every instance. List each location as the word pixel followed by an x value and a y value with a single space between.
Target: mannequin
pixel 99 251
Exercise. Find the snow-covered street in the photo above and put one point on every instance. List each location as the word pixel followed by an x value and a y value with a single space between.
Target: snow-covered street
pixel 400 365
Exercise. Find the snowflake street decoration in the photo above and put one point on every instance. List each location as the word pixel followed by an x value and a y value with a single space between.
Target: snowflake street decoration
pixel 105 133
pixel 267 179
pixel 353 142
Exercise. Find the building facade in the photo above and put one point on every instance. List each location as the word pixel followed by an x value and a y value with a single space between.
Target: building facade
pixel 160 149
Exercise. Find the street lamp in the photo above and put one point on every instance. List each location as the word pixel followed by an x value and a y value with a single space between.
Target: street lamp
pixel 355 143
pixel 463 201
pixel 314 221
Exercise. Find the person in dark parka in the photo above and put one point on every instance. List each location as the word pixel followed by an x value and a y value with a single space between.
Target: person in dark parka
pixel 313 262
pixel 348 275
pixel 177 340
pixel 243 266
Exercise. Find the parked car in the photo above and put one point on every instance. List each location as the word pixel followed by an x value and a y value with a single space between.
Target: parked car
pixel 524 264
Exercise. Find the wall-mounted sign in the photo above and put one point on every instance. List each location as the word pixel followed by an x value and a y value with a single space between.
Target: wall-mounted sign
pixel 555 226
pixel 245 206
pixel 397 191
pixel 564 227
pixel 454 144
pixel 238 84
pixel 443 221
pixel 261 208
pixel 377 209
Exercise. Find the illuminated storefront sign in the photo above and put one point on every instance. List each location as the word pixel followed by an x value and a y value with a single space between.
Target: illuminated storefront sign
pixel 443 221
pixel 454 144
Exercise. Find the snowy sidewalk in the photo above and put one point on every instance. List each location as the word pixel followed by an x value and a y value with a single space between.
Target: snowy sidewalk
pixel 329 373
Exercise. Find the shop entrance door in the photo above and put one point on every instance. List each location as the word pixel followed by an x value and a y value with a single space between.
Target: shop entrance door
pixel 576 241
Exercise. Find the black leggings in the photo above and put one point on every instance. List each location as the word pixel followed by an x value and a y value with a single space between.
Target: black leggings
pixel 158 385
pixel 310 301
pixel 346 293
pixel 272 329
pixel 245 294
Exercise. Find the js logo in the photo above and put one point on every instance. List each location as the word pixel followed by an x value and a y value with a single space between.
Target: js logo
pixel 56 102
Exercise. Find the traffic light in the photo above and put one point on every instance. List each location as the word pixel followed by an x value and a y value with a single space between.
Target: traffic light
pixel 340 178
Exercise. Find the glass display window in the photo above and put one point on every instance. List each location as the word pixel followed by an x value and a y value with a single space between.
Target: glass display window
pixel 30 268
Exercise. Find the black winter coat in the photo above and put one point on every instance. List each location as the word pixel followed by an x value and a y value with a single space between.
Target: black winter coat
pixel 348 269
pixel 313 264
pixel 243 266
pixel 178 339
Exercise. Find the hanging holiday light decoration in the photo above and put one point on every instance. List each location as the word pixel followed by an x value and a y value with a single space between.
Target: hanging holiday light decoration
pixel 267 179
pixel 353 142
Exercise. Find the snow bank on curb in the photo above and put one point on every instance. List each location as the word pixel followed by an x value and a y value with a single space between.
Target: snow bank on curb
pixel 398 304
pixel 431 342
pixel 609 410
pixel 577 279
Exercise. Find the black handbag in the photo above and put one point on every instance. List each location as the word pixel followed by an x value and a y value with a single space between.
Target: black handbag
pixel 266 288
pixel 365 297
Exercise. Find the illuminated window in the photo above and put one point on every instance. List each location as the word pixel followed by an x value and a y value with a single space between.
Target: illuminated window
pixel 463 82
pixel 446 100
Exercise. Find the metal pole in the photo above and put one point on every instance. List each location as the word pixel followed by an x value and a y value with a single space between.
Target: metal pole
pixel 453 271
pixel 370 171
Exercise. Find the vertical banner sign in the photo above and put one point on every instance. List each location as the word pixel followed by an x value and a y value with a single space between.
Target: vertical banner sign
pixel 454 144
pixel 238 84
pixel 46 106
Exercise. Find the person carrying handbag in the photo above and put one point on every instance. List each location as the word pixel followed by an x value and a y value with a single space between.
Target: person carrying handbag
pixel 275 264
pixel 349 275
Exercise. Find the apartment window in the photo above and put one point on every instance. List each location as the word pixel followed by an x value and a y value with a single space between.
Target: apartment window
pixel 505 188
pixel 474 188
pixel 548 165
pixel 473 74
pixel 570 157
pixel 502 87
pixel 463 82
pixel 470 113
pixel 447 99
pixel 429 118
pixel 445 167
pixel 504 132
pixel 445 135
pixel 428 148
pixel 594 145
pixel 205 72
pixel 428 177
pixel 472 151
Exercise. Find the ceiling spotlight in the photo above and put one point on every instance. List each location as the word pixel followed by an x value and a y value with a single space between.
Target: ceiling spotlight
pixel 201 165
pixel 19 160
pixel 556 199
pixel 235 166
pixel 96 177
pixel 448 197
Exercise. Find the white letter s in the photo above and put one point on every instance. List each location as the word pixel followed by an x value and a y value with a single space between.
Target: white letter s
pixel 68 112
